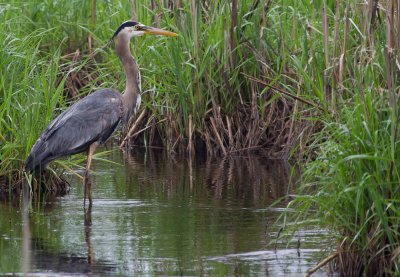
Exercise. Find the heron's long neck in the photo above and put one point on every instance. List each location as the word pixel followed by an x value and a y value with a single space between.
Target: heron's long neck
pixel 131 95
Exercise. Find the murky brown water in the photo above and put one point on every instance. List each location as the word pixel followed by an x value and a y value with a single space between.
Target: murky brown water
pixel 159 215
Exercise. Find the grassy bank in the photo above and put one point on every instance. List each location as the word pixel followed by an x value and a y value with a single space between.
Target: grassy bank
pixel 352 179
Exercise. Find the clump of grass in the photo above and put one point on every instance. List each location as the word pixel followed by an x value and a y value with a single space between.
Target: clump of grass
pixel 352 188
pixel 31 89
pixel 351 180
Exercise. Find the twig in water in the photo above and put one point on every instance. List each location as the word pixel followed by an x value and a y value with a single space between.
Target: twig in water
pixel 322 263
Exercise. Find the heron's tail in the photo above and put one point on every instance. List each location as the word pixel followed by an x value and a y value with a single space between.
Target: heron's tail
pixel 31 164
pixel 36 161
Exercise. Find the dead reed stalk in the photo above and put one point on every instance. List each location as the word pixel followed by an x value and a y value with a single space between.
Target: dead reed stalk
pixel 133 129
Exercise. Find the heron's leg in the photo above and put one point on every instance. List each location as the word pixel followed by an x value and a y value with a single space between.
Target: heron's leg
pixel 86 181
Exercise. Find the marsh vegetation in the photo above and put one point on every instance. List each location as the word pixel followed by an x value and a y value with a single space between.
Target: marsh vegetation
pixel 316 82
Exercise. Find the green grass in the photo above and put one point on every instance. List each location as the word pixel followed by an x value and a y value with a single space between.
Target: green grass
pixel 31 91
pixel 351 175
pixel 300 79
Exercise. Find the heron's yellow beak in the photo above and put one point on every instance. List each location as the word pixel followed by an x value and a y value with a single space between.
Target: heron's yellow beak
pixel 156 31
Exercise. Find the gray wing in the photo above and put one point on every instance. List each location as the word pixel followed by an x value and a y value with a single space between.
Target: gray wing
pixel 94 118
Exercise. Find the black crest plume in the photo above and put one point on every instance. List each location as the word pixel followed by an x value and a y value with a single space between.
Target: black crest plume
pixel 128 23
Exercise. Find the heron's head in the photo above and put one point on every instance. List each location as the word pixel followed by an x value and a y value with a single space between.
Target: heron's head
pixel 130 29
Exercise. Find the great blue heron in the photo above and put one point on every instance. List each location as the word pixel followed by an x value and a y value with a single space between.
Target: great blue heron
pixel 91 121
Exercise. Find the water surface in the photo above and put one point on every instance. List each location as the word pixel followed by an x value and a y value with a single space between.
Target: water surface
pixel 154 214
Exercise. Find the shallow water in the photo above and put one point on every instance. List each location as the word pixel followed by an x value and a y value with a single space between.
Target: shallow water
pixel 157 215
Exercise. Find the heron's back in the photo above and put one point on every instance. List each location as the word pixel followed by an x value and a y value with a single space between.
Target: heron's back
pixel 93 118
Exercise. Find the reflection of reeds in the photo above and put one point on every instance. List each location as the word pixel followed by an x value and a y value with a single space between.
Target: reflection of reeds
pixel 260 181
pixel 255 178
